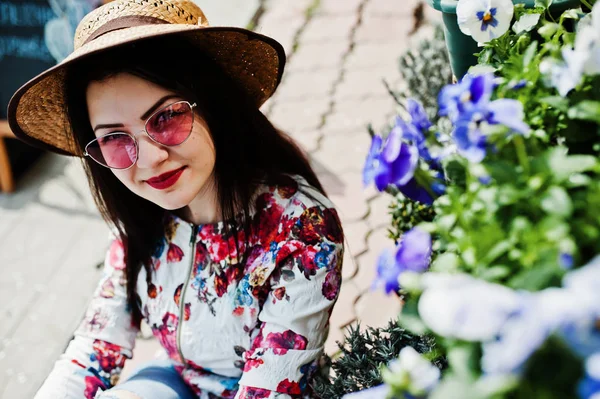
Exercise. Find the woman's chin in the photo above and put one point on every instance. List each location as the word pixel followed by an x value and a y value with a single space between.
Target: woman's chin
pixel 172 203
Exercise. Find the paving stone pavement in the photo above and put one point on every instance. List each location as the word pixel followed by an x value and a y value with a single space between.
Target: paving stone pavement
pixel 339 56
pixel 339 51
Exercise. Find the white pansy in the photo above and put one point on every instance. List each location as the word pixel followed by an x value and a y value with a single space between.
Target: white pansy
pixel 566 74
pixel 587 42
pixel 421 376
pixel 592 366
pixel 484 20
pixel 526 23
pixel 527 329
pixel 460 306
pixel 585 281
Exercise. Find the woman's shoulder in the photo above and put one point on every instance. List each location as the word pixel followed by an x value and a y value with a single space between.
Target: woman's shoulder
pixel 291 196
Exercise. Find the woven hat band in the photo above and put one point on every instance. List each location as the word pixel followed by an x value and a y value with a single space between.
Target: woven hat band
pixel 124 22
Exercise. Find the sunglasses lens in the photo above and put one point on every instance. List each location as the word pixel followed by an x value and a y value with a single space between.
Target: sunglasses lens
pixel 172 125
pixel 115 150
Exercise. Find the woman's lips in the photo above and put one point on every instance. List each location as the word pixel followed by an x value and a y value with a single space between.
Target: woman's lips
pixel 165 180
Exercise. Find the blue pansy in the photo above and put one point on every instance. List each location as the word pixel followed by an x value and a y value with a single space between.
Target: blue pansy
pixel 413 253
pixel 589 387
pixel 387 272
pixel 394 163
pixel 468 105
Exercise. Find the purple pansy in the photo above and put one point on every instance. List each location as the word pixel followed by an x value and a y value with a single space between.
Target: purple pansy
pixel 413 253
pixel 393 163
pixel 468 105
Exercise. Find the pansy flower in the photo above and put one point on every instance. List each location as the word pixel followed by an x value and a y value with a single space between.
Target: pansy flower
pixel 484 20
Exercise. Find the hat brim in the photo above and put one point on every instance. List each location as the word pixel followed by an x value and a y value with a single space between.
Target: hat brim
pixel 37 111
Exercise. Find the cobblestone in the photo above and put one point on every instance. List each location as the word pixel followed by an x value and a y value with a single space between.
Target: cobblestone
pixel 338 54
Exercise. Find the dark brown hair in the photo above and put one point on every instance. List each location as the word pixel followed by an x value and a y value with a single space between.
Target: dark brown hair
pixel 249 150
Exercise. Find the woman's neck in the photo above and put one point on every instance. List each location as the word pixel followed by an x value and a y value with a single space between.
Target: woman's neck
pixel 204 208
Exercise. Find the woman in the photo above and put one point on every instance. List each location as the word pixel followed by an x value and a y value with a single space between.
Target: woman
pixel 223 240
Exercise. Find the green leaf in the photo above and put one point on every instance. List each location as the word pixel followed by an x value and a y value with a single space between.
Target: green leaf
pixel 548 30
pixel 452 387
pixel 533 280
pixel 587 110
pixel 497 250
pixel 409 318
pixel 563 166
pixel 530 52
pixel 545 4
pixel 446 262
pixel 463 359
pixel 495 273
pixel 558 102
pixel 456 172
pixel 571 13
pixel 557 202
pixel 526 23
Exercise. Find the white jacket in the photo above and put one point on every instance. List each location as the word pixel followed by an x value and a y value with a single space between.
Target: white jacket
pixel 232 329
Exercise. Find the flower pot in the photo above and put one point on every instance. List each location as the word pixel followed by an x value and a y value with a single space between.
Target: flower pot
pixel 461 47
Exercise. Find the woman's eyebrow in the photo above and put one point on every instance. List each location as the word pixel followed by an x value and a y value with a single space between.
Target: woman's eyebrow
pixel 143 117
pixel 108 126
pixel 158 104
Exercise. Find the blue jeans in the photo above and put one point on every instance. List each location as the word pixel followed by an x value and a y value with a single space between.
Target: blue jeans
pixel 157 379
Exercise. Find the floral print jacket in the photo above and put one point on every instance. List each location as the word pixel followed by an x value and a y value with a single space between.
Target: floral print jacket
pixel 252 329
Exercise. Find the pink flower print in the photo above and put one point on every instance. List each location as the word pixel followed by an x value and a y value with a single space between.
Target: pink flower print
pixel 109 356
pixel 331 286
pixel 92 384
pixel 174 254
pixel 116 255
pixel 167 335
pixel 152 291
pixel 252 362
pixel 108 289
pixel 200 258
pixel 289 387
pixel 96 320
pixel 288 249
pixel 186 311
pixel 221 284
pixel 282 342
pixel 219 250
pixel 177 294
pixel 253 393
pixel 333 226
pixel 311 226
pixel 288 189
pixel 267 221
pixel 307 262
pixel 279 294
pixel 239 311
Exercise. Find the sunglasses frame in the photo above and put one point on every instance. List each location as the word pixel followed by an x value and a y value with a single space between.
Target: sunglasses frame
pixel 137 148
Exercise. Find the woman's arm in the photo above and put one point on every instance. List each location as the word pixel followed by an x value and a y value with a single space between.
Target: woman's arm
pixel 105 339
pixel 304 286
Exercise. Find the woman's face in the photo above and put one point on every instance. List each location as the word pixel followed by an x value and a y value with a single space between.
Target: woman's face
pixel 124 102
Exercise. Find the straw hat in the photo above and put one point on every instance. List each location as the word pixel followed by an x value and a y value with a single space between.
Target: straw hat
pixel 37 111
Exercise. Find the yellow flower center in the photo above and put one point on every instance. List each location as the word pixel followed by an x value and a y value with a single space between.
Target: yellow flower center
pixel 487 17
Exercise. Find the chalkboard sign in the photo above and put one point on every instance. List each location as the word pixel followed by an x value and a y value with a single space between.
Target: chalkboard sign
pixel 34 35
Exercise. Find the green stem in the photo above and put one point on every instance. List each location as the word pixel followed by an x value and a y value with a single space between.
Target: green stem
pixel 521 153
pixel 585 3
pixel 423 182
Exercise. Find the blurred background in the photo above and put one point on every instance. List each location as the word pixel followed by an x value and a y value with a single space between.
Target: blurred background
pixel 342 74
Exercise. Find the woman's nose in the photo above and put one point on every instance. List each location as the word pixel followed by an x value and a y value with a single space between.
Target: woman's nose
pixel 150 153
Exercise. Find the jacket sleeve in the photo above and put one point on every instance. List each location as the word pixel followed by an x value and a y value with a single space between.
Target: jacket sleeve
pixel 95 357
pixel 303 287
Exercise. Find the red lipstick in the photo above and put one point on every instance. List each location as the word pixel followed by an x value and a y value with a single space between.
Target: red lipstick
pixel 165 180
